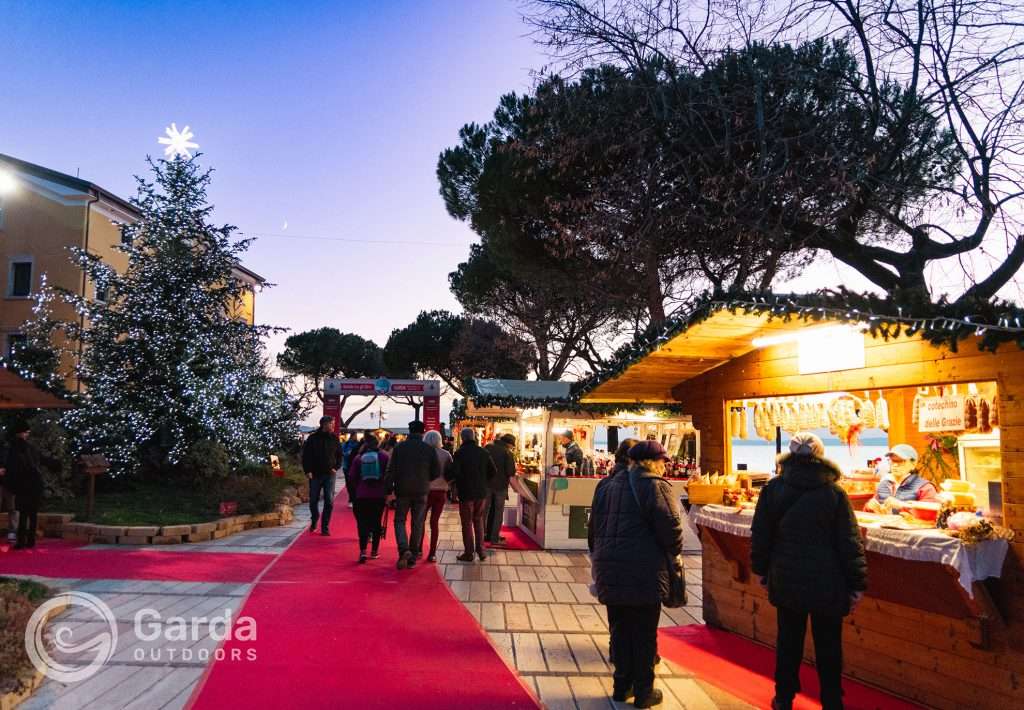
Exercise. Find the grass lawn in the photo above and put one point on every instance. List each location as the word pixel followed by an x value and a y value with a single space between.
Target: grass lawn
pixel 144 504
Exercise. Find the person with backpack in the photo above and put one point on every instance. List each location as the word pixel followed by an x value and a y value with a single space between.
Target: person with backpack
pixel 806 547
pixel 367 476
pixel 635 539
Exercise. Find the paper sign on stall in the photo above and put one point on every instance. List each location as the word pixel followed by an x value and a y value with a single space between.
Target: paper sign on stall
pixel 942 413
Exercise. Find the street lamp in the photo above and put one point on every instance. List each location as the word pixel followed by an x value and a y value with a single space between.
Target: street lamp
pixel 7 182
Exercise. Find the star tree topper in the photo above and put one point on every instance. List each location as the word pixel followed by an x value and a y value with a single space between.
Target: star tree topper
pixel 178 143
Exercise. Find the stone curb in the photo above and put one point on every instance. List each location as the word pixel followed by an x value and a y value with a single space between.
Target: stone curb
pixel 33 680
pixel 62 525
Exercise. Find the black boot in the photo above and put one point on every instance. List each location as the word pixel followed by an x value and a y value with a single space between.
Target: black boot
pixel 648 701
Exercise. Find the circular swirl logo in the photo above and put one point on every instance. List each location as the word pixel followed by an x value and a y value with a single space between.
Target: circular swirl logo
pixel 64 658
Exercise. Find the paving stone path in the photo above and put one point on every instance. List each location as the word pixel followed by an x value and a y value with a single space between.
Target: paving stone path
pixel 538 610
pixel 535 607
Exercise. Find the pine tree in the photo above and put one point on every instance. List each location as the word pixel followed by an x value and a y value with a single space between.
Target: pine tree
pixel 164 364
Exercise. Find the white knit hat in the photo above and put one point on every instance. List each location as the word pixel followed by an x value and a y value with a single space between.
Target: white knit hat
pixel 804 443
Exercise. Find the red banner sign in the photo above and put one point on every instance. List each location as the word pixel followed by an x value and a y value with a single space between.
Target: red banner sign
pixel 332 408
pixel 432 413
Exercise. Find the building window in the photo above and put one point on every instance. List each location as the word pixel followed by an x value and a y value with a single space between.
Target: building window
pixel 101 293
pixel 126 237
pixel 14 342
pixel 19 280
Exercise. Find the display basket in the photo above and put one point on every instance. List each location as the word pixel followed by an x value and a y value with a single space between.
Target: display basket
pixel 705 493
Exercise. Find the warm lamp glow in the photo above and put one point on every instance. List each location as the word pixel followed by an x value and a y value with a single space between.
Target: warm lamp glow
pixel 7 182
pixel 819 334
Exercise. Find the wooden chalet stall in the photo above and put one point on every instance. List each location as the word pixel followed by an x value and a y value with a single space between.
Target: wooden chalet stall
pixel 537 412
pixel 943 619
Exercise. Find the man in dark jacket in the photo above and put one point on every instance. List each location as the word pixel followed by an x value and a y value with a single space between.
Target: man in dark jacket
pixel 501 452
pixel 473 471
pixel 25 479
pixel 636 533
pixel 573 452
pixel 412 467
pixel 7 500
pixel 321 458
pixel 807 548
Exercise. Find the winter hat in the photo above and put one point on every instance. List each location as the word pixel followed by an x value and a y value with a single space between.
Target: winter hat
pixel 903 451
pixel 805 443
pixel 509 439
pixel 647 450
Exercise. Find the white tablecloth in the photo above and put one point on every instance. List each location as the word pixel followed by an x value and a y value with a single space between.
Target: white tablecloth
pixel 973 562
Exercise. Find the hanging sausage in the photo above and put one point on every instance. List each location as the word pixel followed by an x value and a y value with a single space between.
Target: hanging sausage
pixel 882 413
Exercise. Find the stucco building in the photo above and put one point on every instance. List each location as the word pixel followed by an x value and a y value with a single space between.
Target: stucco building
pixel 43 213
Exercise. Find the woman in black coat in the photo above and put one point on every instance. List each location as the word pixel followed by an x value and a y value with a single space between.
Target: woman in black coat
pixel 635 534
pixel 807 548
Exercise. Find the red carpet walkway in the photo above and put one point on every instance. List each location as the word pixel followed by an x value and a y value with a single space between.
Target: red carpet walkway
pixel 332 633
pixel 56 558
pixel 746 670
pixel 515 539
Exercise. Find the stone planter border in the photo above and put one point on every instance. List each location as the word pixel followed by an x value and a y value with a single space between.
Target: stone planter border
pixel 62 525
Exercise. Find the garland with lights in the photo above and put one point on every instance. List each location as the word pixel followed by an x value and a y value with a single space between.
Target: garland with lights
pixel 164 362
pixel 941 323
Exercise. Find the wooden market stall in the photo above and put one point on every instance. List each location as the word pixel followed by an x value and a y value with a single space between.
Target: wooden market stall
pixel 537 413
pixel 943 620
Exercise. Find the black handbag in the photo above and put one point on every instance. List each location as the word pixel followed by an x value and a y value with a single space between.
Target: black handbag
pixel 676 579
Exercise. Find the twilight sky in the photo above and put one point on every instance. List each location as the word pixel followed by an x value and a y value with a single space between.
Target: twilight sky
pixel 327 117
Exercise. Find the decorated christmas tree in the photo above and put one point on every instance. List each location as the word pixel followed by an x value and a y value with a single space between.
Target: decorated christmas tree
pixel 165 364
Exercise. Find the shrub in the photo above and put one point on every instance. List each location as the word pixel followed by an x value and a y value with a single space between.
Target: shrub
pixel 18 599
pixel 253 495
pixel 206 463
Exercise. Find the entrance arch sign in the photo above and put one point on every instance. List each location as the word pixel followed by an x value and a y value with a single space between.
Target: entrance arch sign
pixel 337 387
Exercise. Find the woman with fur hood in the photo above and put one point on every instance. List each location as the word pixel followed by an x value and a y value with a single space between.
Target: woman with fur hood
pixel 807 549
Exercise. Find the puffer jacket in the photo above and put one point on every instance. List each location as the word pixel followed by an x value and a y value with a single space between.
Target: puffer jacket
pixel 805 539
pixel 630 546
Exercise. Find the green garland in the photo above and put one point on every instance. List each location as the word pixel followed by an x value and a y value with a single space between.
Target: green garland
pixel 459 412
pixel 941 323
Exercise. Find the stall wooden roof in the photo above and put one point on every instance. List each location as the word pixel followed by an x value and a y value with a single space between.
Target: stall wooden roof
pixel 701 347
pixel 718 330
pixel 19 393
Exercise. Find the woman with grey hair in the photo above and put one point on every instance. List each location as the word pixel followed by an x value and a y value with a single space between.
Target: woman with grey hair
pixel 438 494
pixel 806 547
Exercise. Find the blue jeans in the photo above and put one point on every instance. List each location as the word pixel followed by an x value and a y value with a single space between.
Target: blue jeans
pixel 316 485
pixel 404 505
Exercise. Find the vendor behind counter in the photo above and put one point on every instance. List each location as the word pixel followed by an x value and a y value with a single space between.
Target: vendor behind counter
pixel 903 483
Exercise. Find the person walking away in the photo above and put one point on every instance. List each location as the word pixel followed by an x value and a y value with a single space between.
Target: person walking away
pixel 7 501
pixel 473 471
pixel 573 452
pixel 502 453
pixel 366 474
pixel 438 495
pixel 25 479
pixel 321 459
pixel 636 536
pixel 349 450
pixel 412 467
pixel 807 549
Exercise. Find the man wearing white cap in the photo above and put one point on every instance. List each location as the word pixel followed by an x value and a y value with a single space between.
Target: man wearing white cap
pixel 903 484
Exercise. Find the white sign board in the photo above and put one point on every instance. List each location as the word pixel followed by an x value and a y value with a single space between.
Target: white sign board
pixel 831 350
pixel 941 413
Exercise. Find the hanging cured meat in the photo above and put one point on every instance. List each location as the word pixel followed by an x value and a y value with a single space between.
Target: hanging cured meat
pixel 882 413
pixel 867 411
pixel 743 422
pixel 993 415
pixel 984 417
pixel 971 414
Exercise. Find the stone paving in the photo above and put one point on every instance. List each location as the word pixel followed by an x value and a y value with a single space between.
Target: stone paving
pixel 535 607
pixel 155 675
pixel 538 611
